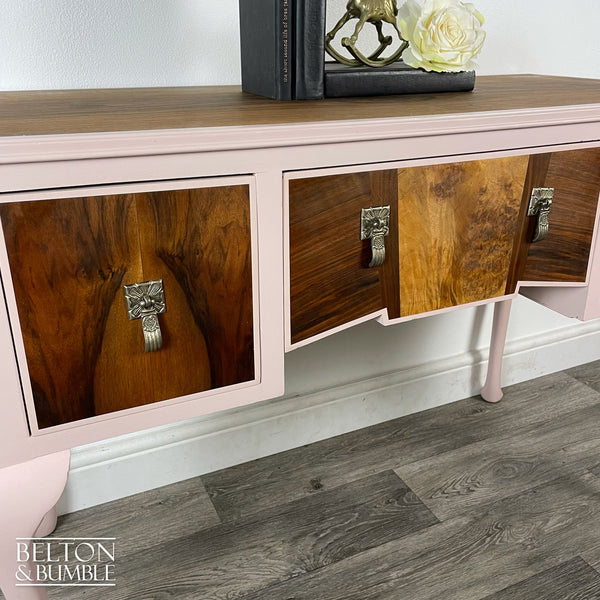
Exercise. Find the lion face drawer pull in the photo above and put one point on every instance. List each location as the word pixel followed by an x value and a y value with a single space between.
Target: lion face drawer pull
pixel 146 301
pixel 374 226
pixel 540 204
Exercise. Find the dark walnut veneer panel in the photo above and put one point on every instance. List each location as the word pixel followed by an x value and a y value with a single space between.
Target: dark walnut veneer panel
pixel 457 225
pixel 69 261
pixel 330 282
pixel 198 241
pixel 564 254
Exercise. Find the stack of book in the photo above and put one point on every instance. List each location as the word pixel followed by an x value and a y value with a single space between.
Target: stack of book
pixel 397 78
pixel 283 57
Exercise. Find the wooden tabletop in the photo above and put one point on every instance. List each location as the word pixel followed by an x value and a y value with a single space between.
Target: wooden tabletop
pixel 138 109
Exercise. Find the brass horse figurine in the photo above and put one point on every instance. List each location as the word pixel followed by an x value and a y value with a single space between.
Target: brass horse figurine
pixel 367 11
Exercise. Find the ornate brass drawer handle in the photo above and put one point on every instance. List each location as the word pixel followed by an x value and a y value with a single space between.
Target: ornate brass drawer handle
pixel 146 301
pixel 374 226
pixel 540 204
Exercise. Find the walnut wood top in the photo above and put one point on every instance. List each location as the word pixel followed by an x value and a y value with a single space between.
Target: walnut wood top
pixel 137 109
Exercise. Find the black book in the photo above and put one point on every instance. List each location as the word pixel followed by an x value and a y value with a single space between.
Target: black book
pixel 309 49
pixel 266 42
pixel 397 78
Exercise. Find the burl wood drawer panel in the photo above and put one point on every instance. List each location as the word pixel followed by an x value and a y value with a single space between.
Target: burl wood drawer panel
pixel 451 239
pixel 564 254
pixel 457 228
pixel 69 261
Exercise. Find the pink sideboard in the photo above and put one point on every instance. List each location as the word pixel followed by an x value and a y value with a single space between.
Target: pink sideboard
pixel 78 150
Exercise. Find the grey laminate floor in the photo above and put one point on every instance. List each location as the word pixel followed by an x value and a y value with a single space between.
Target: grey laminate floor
pixel 468 501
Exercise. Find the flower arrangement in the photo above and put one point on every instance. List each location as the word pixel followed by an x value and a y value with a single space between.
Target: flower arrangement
pixel 442 35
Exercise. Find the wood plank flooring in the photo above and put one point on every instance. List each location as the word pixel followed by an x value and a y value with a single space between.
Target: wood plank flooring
pixel 572 580
pixel 469 501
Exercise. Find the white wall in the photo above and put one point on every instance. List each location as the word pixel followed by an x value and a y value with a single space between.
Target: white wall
pixel 132 43
pixel 355 378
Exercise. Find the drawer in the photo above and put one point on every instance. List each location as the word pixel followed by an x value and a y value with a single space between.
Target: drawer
pixel 70 258
pixel 330 283
pixel 451 234
pixel 563 256
pixel 459 233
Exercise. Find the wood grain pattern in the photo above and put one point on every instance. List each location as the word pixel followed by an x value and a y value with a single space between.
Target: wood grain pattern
pixel 589 374
pixel 85 111
pixel 330 282
pixel 572 580
pixel 145 520
pixel 199 242
pixel 69 260
pixel 466 557
pixel 456 231
pixel 536 177
pixel 466 478
pixel 228 561
pixel 529 409
pixel 563 255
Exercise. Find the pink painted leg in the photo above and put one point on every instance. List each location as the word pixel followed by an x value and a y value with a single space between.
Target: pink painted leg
pixel 48 524
pixel 28 493
pixel 492 391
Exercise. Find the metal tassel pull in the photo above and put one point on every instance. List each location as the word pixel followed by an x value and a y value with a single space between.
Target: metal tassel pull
pixel 539 205
pixel 146 301
pixel 374 226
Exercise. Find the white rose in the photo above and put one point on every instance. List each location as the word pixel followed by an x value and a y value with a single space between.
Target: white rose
pixel 443 35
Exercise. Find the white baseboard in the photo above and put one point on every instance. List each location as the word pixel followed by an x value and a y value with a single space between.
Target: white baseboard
pixel 138 462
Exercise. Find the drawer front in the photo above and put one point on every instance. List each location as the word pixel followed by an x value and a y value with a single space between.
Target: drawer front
pixel 69 260
pixel 450 242
pixel 457 230
pixel 563 255
pixel 330 282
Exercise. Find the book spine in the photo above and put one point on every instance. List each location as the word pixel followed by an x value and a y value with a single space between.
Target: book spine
pixel 284 48
pixel 380 82
pixel 309 49
pixel 266 44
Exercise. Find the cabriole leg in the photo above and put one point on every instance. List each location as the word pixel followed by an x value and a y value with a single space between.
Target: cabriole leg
pixel 48 524
pixel 28 494
pixel 491 391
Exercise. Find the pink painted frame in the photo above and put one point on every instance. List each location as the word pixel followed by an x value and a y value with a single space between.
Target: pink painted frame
pixel 266 152
pixel 47 162
pixel 29 442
